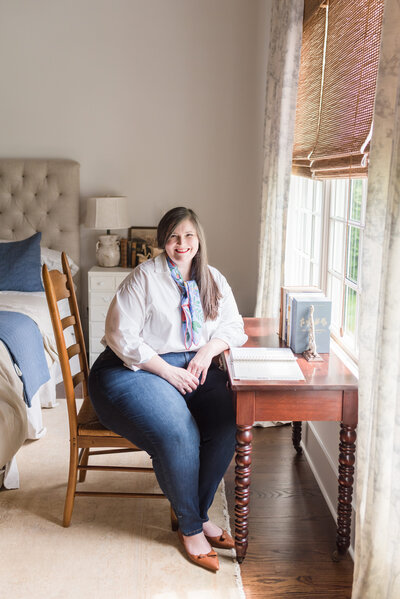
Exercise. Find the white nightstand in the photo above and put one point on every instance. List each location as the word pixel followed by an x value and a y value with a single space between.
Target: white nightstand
pixel 102 285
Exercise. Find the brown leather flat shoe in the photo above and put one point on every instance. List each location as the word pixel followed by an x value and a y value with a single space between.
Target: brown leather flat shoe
pixel 205 560
pixel 223 541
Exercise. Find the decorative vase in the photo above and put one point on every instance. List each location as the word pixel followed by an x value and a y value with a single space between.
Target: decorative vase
pixel 107 250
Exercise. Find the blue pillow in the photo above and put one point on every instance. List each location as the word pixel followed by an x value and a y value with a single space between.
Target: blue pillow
pixel 20 265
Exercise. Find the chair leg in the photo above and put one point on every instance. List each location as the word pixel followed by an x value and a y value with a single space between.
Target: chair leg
pixel 83 462
pixel 71 488
pixel 174 520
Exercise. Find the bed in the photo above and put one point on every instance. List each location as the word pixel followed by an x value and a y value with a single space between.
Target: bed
pixel 39 199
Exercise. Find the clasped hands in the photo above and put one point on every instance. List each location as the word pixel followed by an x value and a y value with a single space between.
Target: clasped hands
pixel 188 379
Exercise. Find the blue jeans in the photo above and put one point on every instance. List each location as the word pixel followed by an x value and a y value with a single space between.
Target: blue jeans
pixel 190 438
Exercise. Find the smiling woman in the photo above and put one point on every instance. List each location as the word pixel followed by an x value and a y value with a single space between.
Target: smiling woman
pixel 182 245
pixel 156 383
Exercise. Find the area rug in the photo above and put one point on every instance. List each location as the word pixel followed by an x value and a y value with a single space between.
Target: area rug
pixel 115 547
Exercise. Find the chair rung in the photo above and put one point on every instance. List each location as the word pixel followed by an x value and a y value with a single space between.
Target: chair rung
pixel 113 451
pixel 116 494
pixel 78 378
pixel 73 350
pixel 118 468
pixel 68 321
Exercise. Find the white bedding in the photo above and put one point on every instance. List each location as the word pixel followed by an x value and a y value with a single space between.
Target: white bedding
pixel 17 421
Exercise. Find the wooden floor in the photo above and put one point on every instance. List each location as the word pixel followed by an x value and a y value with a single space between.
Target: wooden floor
pixel 291 530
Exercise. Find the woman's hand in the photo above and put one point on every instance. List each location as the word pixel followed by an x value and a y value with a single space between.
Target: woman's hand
pixel 187 379
pixel 200 363
pixel 181 379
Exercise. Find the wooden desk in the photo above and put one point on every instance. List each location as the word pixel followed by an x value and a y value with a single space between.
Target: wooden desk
pixel 329 392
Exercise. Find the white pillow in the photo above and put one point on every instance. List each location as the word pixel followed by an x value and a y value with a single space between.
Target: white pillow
pixel 52 259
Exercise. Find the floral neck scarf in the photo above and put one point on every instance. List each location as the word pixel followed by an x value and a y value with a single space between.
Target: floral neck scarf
pixel 192 310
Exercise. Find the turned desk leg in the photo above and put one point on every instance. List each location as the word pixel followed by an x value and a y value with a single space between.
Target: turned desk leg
pixel 296 436
pixel 347 449
pixel 244 437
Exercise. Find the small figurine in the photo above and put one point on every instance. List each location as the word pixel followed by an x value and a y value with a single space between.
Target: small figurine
pixel 311 354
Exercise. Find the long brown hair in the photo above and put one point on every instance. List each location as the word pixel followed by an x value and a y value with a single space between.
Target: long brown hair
pixel 209 292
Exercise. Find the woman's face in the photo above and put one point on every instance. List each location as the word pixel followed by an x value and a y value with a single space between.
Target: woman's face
pixel 182 245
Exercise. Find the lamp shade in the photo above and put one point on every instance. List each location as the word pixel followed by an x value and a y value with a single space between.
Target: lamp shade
pixel 107 213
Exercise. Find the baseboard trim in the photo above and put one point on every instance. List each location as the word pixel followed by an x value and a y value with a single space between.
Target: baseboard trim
pixel 332 464
pixel 331 506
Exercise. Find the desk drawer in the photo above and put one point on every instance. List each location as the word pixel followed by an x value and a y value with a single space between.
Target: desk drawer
pixel 95 343
pixel 100 299
pixel 96 330
pixel 107 283
pixel 98 313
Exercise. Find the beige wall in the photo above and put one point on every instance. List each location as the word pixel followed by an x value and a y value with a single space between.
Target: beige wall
pixel 159 100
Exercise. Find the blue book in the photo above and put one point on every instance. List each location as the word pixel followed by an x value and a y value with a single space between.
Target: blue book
pixel 300 322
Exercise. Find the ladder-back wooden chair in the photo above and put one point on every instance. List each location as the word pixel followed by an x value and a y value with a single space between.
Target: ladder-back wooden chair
pixel 86 432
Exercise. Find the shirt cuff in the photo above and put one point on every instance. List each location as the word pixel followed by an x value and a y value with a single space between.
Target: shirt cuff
pixel 141 355
pixel 232 339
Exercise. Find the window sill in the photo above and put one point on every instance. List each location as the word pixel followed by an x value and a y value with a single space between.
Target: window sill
pixel 351 364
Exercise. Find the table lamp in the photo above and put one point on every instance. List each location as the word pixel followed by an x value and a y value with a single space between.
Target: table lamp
pixel 107 213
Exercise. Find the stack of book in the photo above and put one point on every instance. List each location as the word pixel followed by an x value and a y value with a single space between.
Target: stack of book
pixel 294 325
pixel 124 252
pixel 129 252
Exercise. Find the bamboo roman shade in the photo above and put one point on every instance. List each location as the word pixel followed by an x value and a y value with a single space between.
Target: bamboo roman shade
pixel 335 101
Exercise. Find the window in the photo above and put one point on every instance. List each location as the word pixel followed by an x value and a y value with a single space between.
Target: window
pixel 324 247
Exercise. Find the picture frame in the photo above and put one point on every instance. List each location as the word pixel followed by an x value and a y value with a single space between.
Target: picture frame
pixel 142 244
pixel 146 234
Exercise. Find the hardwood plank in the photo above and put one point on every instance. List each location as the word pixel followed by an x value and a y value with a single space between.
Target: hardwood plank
pixel 291 530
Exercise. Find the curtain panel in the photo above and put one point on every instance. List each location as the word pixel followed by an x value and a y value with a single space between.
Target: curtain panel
pixel 280 107
pixel 377 550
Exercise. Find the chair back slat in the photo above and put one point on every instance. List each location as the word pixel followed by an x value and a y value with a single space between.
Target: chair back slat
pixel 68 321
pixel 79 377
pixel 74 350
pixel 59 281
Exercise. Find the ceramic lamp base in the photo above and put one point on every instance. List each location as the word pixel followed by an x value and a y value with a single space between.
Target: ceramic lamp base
pixel 107 250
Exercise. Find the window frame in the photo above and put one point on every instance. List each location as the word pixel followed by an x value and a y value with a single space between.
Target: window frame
pixel 347 342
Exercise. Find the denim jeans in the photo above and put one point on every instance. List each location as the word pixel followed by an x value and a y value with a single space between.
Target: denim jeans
pixel 190 438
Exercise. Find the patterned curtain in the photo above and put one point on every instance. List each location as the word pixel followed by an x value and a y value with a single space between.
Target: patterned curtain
pixel 377 552
pixel 280 108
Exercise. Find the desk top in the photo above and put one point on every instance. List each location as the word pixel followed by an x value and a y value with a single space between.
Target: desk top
pixel 331 374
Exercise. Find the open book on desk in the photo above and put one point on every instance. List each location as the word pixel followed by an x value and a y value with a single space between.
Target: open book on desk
pixel 265 363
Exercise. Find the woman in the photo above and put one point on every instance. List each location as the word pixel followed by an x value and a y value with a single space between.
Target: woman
pixel 156 384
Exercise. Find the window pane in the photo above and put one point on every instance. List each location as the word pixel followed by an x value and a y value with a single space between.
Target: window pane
pixel 335 293
pixel 307 234
pixel 309 196
pixel 356 199
pixel 350 311
pixel 296 224
pixel 339 196
pixel 316 237
pixel 353 253
pixel 318 196
pixel 302 271
pixel 336 246
pixel 314 275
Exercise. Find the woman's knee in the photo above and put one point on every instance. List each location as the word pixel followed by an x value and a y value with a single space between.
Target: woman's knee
pixel 146 408
pixel 182 434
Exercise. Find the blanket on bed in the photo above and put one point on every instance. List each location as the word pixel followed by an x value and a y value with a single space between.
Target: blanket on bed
pixel 24 341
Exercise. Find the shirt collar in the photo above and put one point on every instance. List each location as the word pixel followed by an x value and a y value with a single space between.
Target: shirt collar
pixel 160 263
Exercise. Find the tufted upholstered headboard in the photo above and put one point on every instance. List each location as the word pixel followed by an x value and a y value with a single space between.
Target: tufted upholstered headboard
pixel 41 195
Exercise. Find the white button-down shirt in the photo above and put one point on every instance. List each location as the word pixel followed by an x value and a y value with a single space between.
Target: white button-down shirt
pixel 144 317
